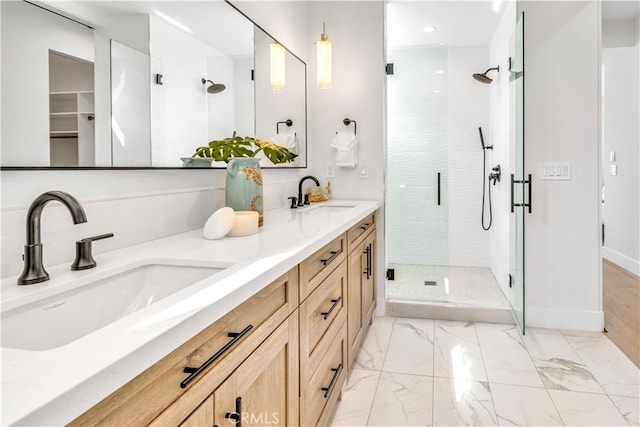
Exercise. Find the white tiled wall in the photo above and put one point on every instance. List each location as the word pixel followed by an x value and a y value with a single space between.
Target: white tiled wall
pixel 433 127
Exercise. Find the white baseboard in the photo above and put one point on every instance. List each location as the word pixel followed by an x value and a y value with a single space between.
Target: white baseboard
pixel 623 261
pixel 580 320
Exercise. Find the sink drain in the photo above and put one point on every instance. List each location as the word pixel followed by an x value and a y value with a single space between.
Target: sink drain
pixel 430 283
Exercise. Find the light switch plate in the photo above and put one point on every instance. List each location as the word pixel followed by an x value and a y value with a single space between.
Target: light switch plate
pixel 554 171
pixel 362 171
pixel 330 170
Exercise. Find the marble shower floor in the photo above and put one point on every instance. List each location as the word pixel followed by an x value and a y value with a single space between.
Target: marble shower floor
pixel 470 286
pixel 421 372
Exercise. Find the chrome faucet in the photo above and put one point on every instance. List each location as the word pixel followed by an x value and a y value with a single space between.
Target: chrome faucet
pixel 303 179
pixel 34 271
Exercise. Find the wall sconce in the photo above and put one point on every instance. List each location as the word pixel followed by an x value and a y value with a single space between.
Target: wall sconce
pixel 324 61
pixel 278 67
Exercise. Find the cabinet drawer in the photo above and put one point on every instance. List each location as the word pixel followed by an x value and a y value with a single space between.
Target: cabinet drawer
pixel 358 231
pixel 325 307
pixel 232 338
pixel 318 399
pixel 314 269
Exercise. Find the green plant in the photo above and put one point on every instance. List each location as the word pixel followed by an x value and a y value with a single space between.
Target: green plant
pixel 247 146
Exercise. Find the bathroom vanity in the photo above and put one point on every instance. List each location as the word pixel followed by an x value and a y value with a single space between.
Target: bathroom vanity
pixel 263 331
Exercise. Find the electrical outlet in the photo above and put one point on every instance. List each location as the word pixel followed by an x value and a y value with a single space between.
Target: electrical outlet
pixel 363 172
pixel 330 170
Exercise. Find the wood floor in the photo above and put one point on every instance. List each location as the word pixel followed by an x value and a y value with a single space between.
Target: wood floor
pixel 621 298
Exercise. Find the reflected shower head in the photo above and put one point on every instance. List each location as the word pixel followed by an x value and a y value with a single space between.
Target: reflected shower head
pixel 483 78
pixel 215 87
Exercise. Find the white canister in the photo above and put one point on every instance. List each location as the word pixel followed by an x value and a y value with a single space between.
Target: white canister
pixel 246 223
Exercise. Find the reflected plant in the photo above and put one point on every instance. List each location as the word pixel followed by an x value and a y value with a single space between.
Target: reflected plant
pixel 247 146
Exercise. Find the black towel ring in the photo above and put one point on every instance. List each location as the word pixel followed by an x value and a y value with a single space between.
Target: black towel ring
pixel 347 121
pixel 287 122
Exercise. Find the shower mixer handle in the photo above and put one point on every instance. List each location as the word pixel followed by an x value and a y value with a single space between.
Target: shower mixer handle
pixel 495 175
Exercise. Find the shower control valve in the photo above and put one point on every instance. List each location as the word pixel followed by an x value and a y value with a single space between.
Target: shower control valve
pixel 495 175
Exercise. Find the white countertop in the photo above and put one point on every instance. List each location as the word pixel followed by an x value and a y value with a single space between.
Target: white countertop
pixel 53 387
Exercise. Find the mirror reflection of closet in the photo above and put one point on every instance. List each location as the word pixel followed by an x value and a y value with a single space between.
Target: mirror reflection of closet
pixel 71 111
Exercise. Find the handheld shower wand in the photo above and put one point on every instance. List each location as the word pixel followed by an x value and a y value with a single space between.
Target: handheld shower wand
pixel 493 177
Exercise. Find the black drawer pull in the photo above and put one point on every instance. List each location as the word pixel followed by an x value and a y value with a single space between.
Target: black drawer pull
pixel 336 374
pixel 365 226
pixel 194 372
pixel 236 416
pixel 334 254
pixel 326 314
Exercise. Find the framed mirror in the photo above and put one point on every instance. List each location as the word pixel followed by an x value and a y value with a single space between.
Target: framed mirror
pixel 142 84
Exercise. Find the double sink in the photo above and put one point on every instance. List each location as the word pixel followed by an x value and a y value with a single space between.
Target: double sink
pixel 88 305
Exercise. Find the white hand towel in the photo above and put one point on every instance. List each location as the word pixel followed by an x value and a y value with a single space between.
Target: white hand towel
pixel 286 140
pixel 346 145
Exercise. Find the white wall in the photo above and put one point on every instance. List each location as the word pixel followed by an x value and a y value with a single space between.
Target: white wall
pixel 28 33
pixel 356 30
pixel 498 136
pixel 562 124
pixel 621 134
pixel 468 108
pixel 138 205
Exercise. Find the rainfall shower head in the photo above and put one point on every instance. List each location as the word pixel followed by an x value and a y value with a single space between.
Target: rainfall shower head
pixel 215 87
pixel 483 78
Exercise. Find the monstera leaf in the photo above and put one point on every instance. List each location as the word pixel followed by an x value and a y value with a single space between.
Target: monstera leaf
pixel 237 146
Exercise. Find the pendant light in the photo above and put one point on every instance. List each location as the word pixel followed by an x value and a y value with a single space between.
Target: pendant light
pixel 324 61
pixel 278 67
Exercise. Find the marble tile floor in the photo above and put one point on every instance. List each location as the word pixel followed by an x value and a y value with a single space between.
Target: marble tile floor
pixel 421 372
pixel 474 286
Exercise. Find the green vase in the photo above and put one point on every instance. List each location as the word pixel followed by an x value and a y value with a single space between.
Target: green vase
pixel 243 188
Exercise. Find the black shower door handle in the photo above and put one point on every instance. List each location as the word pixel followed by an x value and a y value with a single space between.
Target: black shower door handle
pixel 438 188
pixel 521 181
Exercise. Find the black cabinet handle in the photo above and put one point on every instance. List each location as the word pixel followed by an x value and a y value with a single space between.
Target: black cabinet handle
pixel 438 188
pixel 336 374
pixel 368 268
pixel 237 415
pixel 370 261
pixel 194 372
pixel 334 254
pixel 365 226
pixel 326 314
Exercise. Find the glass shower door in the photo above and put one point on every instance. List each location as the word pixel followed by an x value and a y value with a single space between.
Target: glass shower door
pixel 520 199
pixel 417 214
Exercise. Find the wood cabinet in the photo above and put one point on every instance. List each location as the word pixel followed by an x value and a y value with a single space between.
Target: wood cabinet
pixel 317 267
pixel 362 286
pixel 264 389
pixel 202 416
pixel 323 350
pixel 279 359
pixel 148 398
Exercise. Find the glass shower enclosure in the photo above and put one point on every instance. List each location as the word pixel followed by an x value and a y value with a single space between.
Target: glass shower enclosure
pixel 417 175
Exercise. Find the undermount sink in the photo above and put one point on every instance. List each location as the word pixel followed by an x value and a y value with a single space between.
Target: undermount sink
pixel 330 208
pixel 63 318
